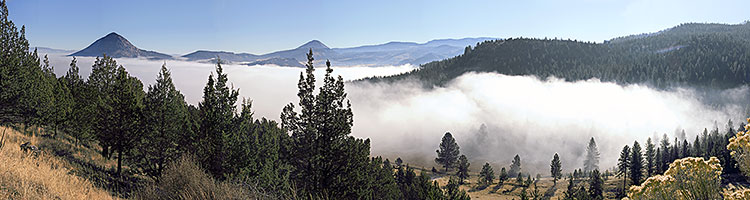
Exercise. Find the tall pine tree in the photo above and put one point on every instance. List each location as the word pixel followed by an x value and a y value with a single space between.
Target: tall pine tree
pixel 447 155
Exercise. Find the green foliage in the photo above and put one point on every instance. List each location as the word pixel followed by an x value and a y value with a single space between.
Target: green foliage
pixel 80 124
pixel 623 165
pixel 636 164
pixel 502 177
pixel 165 123
pixel 415 187
pixel 452 191
pixel 326 159
pixel 650 161
pixel 447 155
pixel 119 107
pixel 463 169
pixel 556 168
pixel 217 111
pixel 515 166
pixel 596 185
pixel 486 175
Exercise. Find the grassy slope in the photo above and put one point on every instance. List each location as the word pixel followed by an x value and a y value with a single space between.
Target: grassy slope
pixel 46 176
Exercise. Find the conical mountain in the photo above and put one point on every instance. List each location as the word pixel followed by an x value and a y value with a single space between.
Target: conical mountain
pixel 116 46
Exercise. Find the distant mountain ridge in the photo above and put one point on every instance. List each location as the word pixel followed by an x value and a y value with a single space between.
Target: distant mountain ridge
pixel 116 46
pixel 391 53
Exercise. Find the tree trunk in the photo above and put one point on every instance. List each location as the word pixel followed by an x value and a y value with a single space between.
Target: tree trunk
pixel 119 162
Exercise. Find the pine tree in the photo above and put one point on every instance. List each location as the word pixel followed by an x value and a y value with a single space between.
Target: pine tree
pixel 217 110
pixel 636 164
pixel 447 155
pixel 685 152
pixel 325 157
pixel 596 185
pixel 623 165
pixel 165 123
pixel 666 154
pixel 650 157
pixel 659 160
pixel 127 108
pixel 592 157
pixel 486 175
pixel 555 168
pixel 399 162
pixel 83 105
pixel 453 192
pixel 502 177
pixel 697 149
pixel 515 166
pixel 463 169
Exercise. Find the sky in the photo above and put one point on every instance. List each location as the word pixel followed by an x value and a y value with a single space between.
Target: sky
pixel 179 27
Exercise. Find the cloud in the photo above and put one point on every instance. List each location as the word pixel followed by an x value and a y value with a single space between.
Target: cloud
pixel 527 116
pixel 522 114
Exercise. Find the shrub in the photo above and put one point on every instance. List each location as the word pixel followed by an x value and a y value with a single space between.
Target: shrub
pixel 740 147
pixel 687 178
pixel 184 179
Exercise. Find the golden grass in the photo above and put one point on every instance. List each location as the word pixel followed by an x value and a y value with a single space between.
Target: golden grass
pixel 23 176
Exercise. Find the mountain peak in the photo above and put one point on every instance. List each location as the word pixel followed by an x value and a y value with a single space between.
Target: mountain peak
pixel 314 44
pixel 116 46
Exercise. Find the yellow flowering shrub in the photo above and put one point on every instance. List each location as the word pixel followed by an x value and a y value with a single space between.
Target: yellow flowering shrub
pixel 738 195
pixel 687 178
pixel 740 147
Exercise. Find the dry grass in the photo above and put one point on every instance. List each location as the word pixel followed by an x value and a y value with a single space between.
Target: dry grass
pixel 184 179
pixel 23 176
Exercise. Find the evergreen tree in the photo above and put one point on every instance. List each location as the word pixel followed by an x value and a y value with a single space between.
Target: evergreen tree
pixel 463 169
pixel 706 150
pixel 399 162
pixel 83 107
pixel 592 157
pixel 623 165
pixel 447 155
pixel 515 166
pixel 666 154
pixel 453 192
pixel 127 105
pixel 596 185
pixel 61 107
pixel 636 164
pixel 486 175
pixel 555 168
pixel 697 149
pixel 650 160
pixel 659 159
pixel 217 110
pixel 325 158
pixel 502 177
pixel 519 179
pixel 685 152
pixel 165 121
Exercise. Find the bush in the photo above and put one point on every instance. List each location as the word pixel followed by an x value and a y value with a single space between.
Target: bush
pixel 740 147
pixel 184 179
pixel 687 178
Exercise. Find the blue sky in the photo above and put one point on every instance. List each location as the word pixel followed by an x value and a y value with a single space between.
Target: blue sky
pixel 179 27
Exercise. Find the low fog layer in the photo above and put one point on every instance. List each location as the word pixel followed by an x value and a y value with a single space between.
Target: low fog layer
pixel 530 117
pixel 492 116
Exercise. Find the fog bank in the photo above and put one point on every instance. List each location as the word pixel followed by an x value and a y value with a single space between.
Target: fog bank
pixel 521 114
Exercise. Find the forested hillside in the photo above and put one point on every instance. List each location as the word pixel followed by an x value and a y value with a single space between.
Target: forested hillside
pixel 706 55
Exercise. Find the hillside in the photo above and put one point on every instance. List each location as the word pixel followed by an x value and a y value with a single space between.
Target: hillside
pixel 46 176
pixel 708 55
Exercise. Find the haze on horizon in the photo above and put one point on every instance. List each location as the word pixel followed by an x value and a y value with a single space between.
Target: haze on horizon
pixel 179 27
